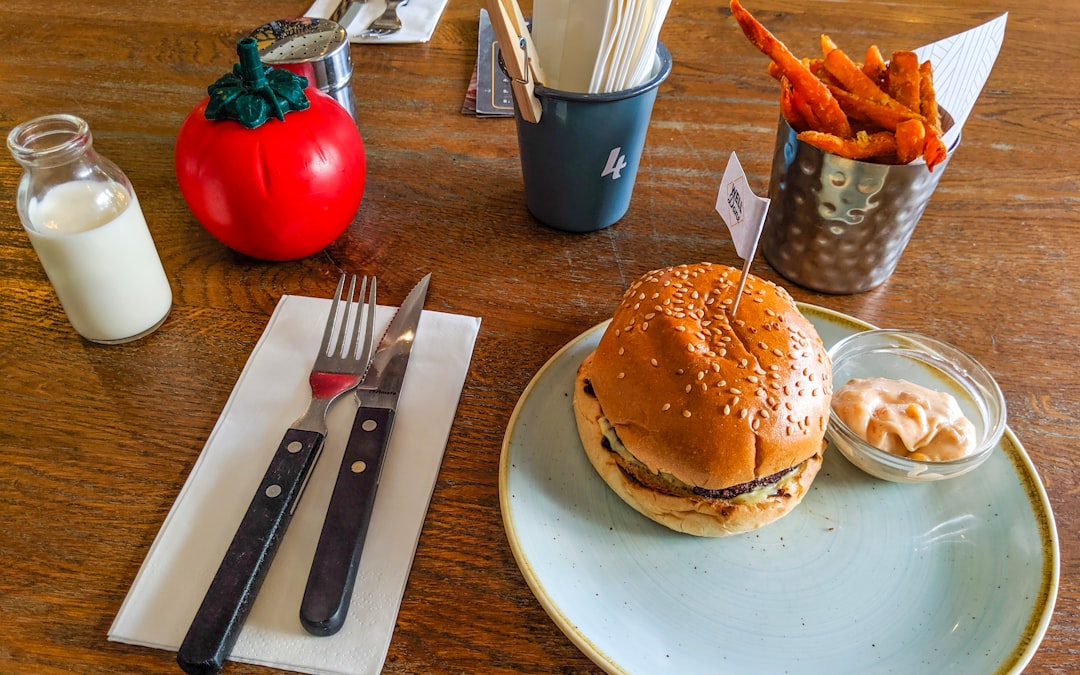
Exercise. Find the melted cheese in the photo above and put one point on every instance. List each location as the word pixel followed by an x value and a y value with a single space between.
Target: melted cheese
pixel 905 419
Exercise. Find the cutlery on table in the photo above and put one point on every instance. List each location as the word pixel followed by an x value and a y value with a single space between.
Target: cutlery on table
pixel 346 11
pixel 342 360
pixel 387 23
pixel 337 555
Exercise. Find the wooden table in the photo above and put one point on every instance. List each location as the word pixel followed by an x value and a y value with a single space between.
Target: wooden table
pixel 97 441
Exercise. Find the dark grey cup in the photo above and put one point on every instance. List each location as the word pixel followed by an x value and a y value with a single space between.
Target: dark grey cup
pixel 580 161
pixel 839 225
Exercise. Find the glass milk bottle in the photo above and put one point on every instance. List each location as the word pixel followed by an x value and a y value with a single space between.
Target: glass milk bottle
pixel 85 223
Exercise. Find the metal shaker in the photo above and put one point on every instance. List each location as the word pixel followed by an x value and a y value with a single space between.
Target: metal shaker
pixel 315 48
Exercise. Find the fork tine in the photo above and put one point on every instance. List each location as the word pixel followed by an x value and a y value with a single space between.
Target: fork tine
pixel 350 349
pixel 340 347
pixel 348 339
pixel 365 341
pixel 332 319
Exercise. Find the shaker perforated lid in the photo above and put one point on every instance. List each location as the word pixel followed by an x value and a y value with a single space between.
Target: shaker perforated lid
pixel 313 47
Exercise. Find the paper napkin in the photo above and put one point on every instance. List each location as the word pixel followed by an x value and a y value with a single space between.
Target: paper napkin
pixel 271 392
pixel 418 19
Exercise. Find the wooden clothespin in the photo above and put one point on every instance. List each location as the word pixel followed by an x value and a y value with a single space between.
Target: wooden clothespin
pixel 519 55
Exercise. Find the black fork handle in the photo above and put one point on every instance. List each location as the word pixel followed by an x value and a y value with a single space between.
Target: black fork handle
pixel 228 601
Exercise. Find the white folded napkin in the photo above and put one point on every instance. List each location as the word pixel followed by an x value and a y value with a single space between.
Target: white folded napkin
pixel 271 392
pixel 418 19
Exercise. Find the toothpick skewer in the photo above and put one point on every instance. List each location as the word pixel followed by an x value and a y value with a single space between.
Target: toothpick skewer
pixel 742 285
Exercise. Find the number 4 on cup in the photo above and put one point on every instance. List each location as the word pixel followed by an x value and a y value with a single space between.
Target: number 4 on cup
pixel 616 162
pixel 744 214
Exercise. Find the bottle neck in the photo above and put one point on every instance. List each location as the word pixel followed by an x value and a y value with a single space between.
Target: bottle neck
pixel 50 141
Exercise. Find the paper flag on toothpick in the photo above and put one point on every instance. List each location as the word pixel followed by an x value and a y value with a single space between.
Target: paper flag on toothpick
pixel 744 214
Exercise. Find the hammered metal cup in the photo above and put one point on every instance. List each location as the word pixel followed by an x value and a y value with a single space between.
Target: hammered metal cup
pixel 838 225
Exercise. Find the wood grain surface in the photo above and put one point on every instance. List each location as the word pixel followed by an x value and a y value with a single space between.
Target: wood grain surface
pixel 97 441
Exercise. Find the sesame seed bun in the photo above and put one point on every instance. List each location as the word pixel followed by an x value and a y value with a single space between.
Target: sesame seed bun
pixel 714 424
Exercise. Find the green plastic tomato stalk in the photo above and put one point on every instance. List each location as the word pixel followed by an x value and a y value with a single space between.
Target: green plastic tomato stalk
pixel 251 67
pixel 253 93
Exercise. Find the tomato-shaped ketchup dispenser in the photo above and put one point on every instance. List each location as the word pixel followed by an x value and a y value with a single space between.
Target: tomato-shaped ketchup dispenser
pixel 269 168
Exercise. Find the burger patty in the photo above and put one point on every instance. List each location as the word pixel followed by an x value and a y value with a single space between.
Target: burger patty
pixel 743 488
pixel 635 470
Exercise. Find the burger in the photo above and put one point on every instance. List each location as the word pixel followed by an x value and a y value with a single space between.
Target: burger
pixel 706 415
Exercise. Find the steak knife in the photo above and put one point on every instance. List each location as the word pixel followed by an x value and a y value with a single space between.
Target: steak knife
pixel 337 555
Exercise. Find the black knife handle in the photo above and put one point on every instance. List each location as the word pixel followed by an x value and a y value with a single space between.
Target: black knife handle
pixel 217 624
pixel 337 556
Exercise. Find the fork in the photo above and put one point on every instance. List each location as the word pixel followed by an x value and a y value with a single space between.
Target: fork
pixel 388 23
pixel 343 358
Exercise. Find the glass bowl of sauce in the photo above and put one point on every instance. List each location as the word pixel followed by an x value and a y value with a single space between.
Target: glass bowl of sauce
pixel 910 408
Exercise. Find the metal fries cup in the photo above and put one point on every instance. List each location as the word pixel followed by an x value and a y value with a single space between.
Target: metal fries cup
pixel 839 225
pixel 579 162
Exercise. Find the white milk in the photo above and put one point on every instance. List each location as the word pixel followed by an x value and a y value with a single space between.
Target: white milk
pixel 99 256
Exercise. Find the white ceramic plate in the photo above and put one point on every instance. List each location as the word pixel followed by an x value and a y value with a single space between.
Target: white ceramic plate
pixel 865 576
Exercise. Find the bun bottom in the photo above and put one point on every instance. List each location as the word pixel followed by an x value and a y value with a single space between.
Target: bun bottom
pixel 697 515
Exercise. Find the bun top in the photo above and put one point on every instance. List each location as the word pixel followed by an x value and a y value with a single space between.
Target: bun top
pixel 711 399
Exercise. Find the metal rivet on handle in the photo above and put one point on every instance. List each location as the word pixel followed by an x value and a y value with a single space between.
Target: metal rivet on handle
pixel 369 425
pixel 273 491
pixel 295 447
pixel 359 466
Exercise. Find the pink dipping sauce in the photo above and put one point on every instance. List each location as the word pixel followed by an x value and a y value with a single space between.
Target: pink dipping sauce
pixel 905 419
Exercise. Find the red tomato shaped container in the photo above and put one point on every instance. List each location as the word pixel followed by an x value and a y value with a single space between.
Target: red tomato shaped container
pixel 282 190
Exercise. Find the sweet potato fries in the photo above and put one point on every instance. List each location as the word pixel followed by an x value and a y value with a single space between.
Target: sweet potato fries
pixel 875 110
